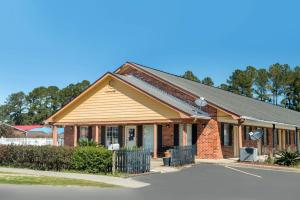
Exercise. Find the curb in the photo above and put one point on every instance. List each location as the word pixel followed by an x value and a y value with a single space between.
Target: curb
pixel 265 167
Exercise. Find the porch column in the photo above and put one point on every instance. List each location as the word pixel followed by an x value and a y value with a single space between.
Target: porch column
pixel 184 135
pixel 96 134
pixel 297 140
pixel 75 136
pixel 273 139
pixel 240 135
pixel 155 141
pixel 54 136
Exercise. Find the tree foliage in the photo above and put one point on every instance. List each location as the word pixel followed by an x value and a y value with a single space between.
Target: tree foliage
pixel 278 84
pixel 5 130
pixel 190 76
pixel 38 104
pixel 207 81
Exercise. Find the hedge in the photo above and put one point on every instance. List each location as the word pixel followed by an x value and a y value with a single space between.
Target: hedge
pixel 88 159
pixel 92 159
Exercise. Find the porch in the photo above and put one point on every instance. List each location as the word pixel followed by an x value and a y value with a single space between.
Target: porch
pixel 157 137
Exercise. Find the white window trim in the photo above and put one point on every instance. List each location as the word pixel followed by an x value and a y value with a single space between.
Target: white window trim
pixel 106 132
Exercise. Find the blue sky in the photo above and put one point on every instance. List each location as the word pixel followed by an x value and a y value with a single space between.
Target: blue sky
pixel 59 42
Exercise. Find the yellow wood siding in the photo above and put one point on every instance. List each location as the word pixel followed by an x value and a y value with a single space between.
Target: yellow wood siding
pixel 113 100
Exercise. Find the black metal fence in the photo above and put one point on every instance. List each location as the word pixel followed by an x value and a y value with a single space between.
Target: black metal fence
pixel 182 155
pixel 133 161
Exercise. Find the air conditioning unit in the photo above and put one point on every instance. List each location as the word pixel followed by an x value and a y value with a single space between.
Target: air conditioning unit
pixel 248 154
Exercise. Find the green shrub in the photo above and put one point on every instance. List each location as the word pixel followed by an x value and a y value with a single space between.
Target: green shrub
pixel 92 159
pixel 85 142
pixel 287 158
pixel 36 157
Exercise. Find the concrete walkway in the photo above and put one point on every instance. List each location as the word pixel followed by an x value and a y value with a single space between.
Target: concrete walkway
pixel 124 182
pixel 216 161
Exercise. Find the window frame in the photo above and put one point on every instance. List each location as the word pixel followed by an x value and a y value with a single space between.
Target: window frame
pixel 228 129
pixel 80 132
pixel 114 137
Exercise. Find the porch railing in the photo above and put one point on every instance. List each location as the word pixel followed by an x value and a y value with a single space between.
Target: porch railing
pixel 133 161
pixel 182 155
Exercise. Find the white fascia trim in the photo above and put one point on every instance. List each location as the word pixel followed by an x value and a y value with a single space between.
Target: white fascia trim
pixel 269 122
pixel 200 117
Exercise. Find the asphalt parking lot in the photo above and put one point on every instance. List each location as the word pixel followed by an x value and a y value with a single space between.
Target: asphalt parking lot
pixel 199 182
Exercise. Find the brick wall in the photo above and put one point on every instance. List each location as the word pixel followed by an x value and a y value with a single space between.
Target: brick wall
pixel 159 84
pixel 208 142
pixel 69 136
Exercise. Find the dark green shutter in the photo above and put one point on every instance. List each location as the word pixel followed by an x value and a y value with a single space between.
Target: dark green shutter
pixel 103 135
pixel 140 136
pixel 90 133
pixel 176 135
pixel 222 134
pixel 120 136
pixel 159 138
pixel 78 133
pixel 194 134
pixel 230 134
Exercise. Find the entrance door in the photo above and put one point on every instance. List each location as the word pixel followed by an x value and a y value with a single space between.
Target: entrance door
pixel 130 134
pixel 148 133
pixel 236 150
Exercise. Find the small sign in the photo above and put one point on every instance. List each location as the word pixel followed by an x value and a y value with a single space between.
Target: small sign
pixel 114 147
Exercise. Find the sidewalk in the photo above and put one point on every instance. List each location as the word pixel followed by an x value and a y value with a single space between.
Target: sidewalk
pixel 123 182
pixel 216 161
pixel 157 167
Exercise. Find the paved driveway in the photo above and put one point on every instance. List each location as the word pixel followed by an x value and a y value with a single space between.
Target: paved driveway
pixel 200 182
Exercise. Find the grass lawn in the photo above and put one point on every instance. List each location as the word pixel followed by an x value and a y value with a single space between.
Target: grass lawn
pixel 11 178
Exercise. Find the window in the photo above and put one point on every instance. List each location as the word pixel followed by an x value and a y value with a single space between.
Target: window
pixel 84 130
pixel 112 135
pixel 226 134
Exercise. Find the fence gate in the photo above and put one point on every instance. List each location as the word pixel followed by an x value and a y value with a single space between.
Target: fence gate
pixel 133 161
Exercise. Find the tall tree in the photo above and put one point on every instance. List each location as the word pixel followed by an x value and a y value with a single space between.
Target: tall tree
pixel 39 105
pixel 276 77
pixel 287 86
pixel 190 76
pixel 261 85
pixel 241 82
pixel 68 93
pixel 207 81
pixel 292 99
pixel 14 108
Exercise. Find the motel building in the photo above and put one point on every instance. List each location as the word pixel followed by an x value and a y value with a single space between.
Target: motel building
pixel 138 106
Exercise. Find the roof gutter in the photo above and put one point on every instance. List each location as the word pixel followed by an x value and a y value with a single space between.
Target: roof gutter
pixel 269 122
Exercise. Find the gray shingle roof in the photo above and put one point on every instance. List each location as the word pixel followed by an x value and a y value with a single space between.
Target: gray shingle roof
pixel 165 97
pixel 243 106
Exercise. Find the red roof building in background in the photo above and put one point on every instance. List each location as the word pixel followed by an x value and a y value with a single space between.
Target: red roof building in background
pixel 28 127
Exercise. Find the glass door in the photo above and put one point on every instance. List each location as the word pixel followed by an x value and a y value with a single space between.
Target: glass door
pixel 148 140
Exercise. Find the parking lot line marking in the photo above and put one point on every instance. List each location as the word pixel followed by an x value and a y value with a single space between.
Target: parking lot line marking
pixel 250 174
